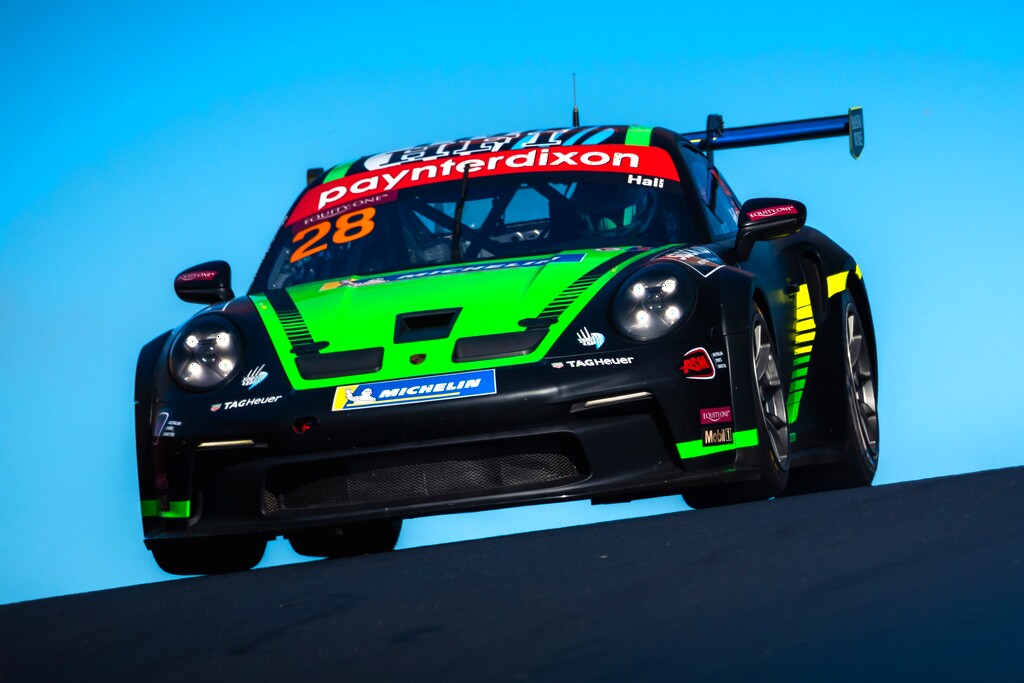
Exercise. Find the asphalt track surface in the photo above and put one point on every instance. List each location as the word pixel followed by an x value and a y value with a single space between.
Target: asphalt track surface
pixel 915 581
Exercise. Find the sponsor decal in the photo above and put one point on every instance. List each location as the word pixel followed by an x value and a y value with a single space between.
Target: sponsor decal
pixel 649 161
pixel 415 390
pixel 254 377
pixel 587 338
pixel 244 403
pixel 158 424
pixel 697 364
pixel 201 275
pixel 713 416
pixel 717 436
pixel 593 362
pixel 645 181
pixel 554 137
pixel 710 416
pixel 347 207
pixel 771 212
pixel 164 427
pixel 719 358
pixel 505 265
pixel 700 259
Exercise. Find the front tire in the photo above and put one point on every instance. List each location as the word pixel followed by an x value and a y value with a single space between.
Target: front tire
pixel 350 540
pixel 772 429
pixel 213 555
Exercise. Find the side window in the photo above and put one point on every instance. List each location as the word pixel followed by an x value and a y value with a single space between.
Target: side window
pixel 720 205
pixel 726 207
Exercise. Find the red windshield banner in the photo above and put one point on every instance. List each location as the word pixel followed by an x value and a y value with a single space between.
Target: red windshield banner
pixel 639 162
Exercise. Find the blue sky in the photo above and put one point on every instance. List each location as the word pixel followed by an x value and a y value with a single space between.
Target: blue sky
pixel 139 140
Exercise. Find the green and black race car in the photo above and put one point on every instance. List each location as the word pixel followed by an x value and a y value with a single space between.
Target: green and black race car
pixel 581 313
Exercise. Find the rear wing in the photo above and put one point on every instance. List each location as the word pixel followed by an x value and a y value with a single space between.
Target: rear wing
pixel 850 124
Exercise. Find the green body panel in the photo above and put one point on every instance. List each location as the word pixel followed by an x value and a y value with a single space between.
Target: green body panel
pixel 696 448
pixel 179 509
pixel 338 171
pixel 639 135
pixel 491 302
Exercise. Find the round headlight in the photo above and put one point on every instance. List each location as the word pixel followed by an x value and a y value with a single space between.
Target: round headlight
pixel 205 353
pixel 652 302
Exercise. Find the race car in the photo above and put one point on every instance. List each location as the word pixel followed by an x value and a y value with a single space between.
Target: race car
pixel 549 315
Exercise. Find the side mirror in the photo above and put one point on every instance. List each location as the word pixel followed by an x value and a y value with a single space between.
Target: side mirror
pixel 767 218
pixel 207 283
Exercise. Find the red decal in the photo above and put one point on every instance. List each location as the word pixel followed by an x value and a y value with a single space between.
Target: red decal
pixel 697 364
pixel 771 212
pixel 633 159
pixel 204 275
pixel 710 416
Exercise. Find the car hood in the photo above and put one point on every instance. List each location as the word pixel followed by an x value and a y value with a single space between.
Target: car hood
pixel 479 299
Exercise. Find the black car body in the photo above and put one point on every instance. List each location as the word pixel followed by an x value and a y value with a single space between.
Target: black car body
pixel 582 313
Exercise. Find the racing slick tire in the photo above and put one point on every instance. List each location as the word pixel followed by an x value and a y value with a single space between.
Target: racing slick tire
pixel 213 555
pixel 350 540
pixel 859 459
pixel 772 429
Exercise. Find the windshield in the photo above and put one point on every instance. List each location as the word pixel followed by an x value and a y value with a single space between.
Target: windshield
pixel 502 217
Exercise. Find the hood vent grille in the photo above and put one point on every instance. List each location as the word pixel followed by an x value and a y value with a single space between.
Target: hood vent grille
pixel 425 325
pixel 489 346
pixel 340 363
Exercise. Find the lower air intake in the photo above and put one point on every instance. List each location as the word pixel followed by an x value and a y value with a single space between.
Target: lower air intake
pixel 434 473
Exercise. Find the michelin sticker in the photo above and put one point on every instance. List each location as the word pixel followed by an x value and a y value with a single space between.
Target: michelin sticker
pixel 416 390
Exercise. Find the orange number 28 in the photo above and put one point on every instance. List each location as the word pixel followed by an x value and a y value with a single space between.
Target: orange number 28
pixel 348 227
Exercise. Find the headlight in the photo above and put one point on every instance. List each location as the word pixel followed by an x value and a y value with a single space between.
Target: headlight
pixel 652 302
pixel 206 353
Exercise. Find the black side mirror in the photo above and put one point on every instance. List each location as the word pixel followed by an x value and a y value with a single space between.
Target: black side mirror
pixel 207 283
pixel 767 218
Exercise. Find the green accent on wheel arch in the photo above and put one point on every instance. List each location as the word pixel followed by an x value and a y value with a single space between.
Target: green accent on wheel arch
pixel 639 135
pixel 180 509
pixel 696 448
pixel 338 171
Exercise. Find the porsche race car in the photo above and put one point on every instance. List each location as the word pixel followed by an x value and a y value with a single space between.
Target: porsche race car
pixel 540 316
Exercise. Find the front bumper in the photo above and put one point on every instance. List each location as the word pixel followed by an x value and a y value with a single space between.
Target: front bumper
pixel 607 433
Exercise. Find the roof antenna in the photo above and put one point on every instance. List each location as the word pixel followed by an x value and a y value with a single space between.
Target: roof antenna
pixel 575 111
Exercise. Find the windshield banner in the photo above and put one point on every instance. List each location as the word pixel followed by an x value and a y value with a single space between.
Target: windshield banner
pixel 641 163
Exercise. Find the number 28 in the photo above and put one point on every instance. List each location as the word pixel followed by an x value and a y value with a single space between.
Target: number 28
pixel 348 227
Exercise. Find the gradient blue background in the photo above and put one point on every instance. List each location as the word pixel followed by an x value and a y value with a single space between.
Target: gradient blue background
pixel 136 141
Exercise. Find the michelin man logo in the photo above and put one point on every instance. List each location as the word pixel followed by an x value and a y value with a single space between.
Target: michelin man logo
pixel 365 397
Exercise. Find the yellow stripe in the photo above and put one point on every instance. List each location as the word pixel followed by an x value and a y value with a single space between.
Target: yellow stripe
pixel 802 297
pixel 860 275
pixel 801 349
pixel 805 338
pixel 804 325
pixel 837 283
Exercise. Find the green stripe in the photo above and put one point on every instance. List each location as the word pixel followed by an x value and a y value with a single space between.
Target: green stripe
pixel 639 135
pixel 696 448
pixel 797 385
pixel 800 372
pixel 180 509
pixel 802 360
pixel 338 171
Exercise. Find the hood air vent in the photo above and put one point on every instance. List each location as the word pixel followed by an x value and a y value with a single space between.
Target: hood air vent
pixel 425 325
pixel 489 346
pixel 340 363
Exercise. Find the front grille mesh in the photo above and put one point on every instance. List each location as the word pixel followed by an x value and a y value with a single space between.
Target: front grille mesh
pixel 424 474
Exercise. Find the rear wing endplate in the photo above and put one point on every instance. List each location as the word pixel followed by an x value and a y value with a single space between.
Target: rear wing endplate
pixel 850 124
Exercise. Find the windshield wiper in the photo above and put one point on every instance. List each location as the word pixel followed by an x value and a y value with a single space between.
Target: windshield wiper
pixel 457 227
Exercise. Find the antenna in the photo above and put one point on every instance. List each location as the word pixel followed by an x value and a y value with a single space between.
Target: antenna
pixel 575 111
